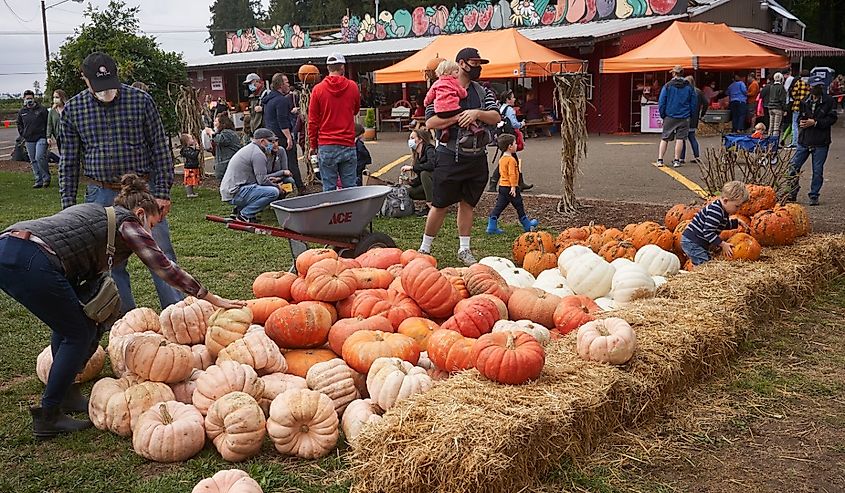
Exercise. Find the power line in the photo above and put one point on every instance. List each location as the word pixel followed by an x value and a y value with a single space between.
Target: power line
pixel 20 19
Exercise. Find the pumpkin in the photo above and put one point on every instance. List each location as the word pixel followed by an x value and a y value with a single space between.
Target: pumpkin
pixel 679 234
pixel 186 322
pixel 152 357
pixel 799 217
pixel 679 213
pixel 380 258
pixel 622 263
pixel 552 282
pixel 303 423
pixel 607 304
pixel 509 357
pixel 225 327
pixel 391 380
pixel 609 340
pixel 389 303
pixel 657 261
pixel 569 255
pixel 299 290
pixel 335 379
pixel 573 312
pixel 92 368
pixel 533 304
pixel 429 288
pixel 221 379
pixel 395 270
pixel 116 404
pixel 230 480
pixel 136 320
pixel 536 261
pixel 306 259
pixel 345 327
pixel 344 307
pixel 359 413
pixel 328 306
pixel 631 284
pixel 612 234
pixel 615 249
pixel 518 278
pixel 533 329
pixel 299 326
pixel 727 233
pixel 561 246
pixel 117 349
pixel 169 432
pixel 533 240
pixel 365 346
pixel 273 284
pixel 370 278
pixel 475 318
pixel 328 280
pixel 277 383
pixel 484 279
pixel 202 357
pixel 497 263
pixel 595 242
pixel 409 255
pixel 184 391
pixel 262 307
pixel 419 329
pixel 628 230
pixel 235 424
pixel 308 74
pixel 575 233
pixel 590 275
pixel 745 247
pixel 649 233
pixel 450 351
pixel 257 350
pixel 434 372
pixel 759 198
pixel 773 227
pixel 301 360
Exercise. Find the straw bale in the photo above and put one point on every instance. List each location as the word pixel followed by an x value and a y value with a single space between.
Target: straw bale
pixel 468 434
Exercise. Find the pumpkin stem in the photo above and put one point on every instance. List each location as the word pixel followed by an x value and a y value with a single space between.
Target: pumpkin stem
pixel 602 329
pixel 510 342
pixel 166 418
pixel 304 428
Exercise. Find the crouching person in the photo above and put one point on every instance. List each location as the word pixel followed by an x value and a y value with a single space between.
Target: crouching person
pixel 246 184
pixel 702 233
pixel 45 262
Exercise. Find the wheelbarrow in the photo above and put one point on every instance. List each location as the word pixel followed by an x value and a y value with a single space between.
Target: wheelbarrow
pixel 341 219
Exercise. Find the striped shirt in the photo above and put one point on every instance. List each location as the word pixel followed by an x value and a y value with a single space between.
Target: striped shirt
pixel 106 141
pixel 705 227
pixel 472 101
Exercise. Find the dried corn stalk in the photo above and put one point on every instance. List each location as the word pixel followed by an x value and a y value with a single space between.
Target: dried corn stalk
pixel 571 107
pixel 189 112
pixel 762 166
pixel 304 101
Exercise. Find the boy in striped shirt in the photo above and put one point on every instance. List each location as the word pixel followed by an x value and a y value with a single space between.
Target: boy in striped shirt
pixel 702 233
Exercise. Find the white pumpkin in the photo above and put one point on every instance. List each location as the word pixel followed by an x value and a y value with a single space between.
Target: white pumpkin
pixel 657 261
pixel 518 278
pixel 570 254
pixel 553 282
pixel 533 329
pixel 631 284
pixel 435 373
pixel 497 263
pixel 658 280
pixel 550 275
pixel 391 380
pixel 620 263
pixel 359 413
pixel 184 390
pixel 606 304
pixel 590 275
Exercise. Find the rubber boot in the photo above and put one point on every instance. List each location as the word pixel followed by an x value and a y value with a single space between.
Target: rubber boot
pixel 51 421
pixel 74 401
pixel 493 226
pixel 528 224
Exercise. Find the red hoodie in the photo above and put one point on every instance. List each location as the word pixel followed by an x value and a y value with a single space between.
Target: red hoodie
pixel 331 114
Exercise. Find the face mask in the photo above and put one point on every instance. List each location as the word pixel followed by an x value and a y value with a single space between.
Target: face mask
pixel 818 90
pixel 269 147
pixel 106 96
pixel 252 87
pixel 412 144
pixel 474 72
pixel 29 103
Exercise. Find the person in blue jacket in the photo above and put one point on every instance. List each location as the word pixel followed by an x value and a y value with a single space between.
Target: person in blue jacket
pixel 676 104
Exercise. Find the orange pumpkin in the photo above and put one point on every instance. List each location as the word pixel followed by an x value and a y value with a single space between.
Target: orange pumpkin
pixel 418 329
pixel 271 284
pixel 773 227
pixel 595 241
pixel 688 265
pixel 678 213
pixel 349 263
pixel 391 304
pixel 299 327
pixel 310 257
pixel 301 360
pixel 409 255
pixel 678 235
pixel 727 233
pixel 527 242
pixel 628 230
pixel 460 286
pixel 344 307
pixel 476 318
pixel 573 312
pixel 650 233
pixel 503 308
pixel 509 357
pixel 308 74
pixel 563 245
pixel 369 278
pixel 263 307
pixel 533 304
pixel 481 279
pixel 429 288
pixel 617 249
pixel 450 351
pixel 365 346
pixel 800 217
pixel 328 280
pixel 745 247
pixel 345 327
pixel 567 234
pixel 328 306
pixel 759 198
pixel 536 261
pixel 380 258
pixel 299 290
pixel 612 234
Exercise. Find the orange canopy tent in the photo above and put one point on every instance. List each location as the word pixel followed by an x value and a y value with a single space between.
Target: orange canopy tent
pixel 694 45
pixel 510 53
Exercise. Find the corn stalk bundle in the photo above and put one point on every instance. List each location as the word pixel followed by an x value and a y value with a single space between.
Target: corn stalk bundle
pixel 189 111
pixel 762 166
pixel 304 101
pixel 571 106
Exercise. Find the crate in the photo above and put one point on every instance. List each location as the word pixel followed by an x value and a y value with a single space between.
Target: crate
pixel 717 116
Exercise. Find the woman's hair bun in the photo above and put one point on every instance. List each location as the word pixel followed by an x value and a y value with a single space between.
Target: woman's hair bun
pixel 132 183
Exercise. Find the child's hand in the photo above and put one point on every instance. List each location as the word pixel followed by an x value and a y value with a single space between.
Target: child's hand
pixel 513 192
pixel 727 249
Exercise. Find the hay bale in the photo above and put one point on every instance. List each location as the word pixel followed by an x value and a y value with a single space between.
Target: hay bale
pixel 470 435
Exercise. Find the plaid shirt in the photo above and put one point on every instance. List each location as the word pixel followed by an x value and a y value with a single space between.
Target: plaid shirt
pixel 799 92
pixel 142 244
pixel 106 141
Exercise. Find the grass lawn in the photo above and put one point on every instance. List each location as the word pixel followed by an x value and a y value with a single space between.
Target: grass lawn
pixel 227 262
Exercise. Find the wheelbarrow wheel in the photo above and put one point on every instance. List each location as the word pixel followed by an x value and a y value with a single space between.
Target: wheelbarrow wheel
pixel 373 240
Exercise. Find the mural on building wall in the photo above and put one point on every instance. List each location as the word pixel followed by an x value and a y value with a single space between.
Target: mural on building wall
pixel 483 15
pixel 255 39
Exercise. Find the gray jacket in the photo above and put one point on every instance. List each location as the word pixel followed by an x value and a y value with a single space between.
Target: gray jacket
pixel 247 167
pixel 777 97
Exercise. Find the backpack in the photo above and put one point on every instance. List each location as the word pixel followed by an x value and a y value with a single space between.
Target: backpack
pixel 398 202
pixel 505 126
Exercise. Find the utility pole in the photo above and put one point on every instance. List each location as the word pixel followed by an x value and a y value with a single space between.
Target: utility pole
pixel 46 41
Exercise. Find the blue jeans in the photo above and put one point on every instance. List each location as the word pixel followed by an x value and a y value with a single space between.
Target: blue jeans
pixel 38 158
pixel 696 253
pixel 337 161
pixel 819 155
pixel 28 276
pixel 167 295
pixel 693 142
pixel 252 199
pixel 739 110
pixel 795 116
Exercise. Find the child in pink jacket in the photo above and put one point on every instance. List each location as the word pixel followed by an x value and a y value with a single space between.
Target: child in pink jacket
pixel 446 93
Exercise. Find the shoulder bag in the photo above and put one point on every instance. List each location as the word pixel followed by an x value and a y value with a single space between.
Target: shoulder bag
pixel 104 301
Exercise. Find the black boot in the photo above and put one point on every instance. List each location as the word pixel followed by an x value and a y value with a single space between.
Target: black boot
pixel 524 186
pixel 51 421
pixel 74 401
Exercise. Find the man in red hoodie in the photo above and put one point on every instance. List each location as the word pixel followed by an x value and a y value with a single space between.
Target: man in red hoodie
pixel 331 125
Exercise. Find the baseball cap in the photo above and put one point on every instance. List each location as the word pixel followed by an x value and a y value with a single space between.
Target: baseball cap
pixel 264 133
pixel 468 54
pixel 335 58
pixel 677 69
pixel 101 71
pixel 816 80
pixel 251 78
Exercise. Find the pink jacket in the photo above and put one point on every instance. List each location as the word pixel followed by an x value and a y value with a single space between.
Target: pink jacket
pixel 446 93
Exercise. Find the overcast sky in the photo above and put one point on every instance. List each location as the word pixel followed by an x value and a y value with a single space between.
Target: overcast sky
pixel 22 42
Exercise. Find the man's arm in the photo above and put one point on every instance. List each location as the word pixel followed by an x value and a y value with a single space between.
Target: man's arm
pixel 828 118
pixel 19 124
pixel 259 168
pixel 283 112
pixel 69 163
pixel 661 102
pixel 161 171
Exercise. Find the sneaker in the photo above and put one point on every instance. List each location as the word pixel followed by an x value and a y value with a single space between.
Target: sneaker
pixel 192 195
pixel 235 213
pixel 245 219
pixel 814 201
pixel 676 164
pixel 466 257
pixel 696 161
pixel 426 252
pixel 659 163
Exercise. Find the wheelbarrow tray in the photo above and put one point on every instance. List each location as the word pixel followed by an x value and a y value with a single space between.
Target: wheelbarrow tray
pixel 336 213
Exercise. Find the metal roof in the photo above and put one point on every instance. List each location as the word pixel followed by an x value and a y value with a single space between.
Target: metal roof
pixel 793 47
pixel 781 10
pixel 596 30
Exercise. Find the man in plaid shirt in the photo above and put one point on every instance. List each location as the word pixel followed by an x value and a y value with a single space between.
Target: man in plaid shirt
pixel 798 92
pixel 108 130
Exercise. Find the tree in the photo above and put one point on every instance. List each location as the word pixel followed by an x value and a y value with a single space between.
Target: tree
pixel 138 57
pixel 229 16
pixel 36 88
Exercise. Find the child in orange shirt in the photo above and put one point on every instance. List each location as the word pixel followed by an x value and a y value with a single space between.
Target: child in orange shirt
pixel 508 188
pixel 759 131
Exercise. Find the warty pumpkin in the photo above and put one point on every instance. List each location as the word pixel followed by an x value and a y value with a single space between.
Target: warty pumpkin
pixel 536 261
pixel 745 247
pixel 429 288
pixel 678 213
pixel 773 227
pixel 303 423
pixel 759 198
pixel 169 432
pixel 800 218
pixel 533 240
pixel 219 380
pixel 273 284
pixel 235 424
pixel 615 249
pixel 186 322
